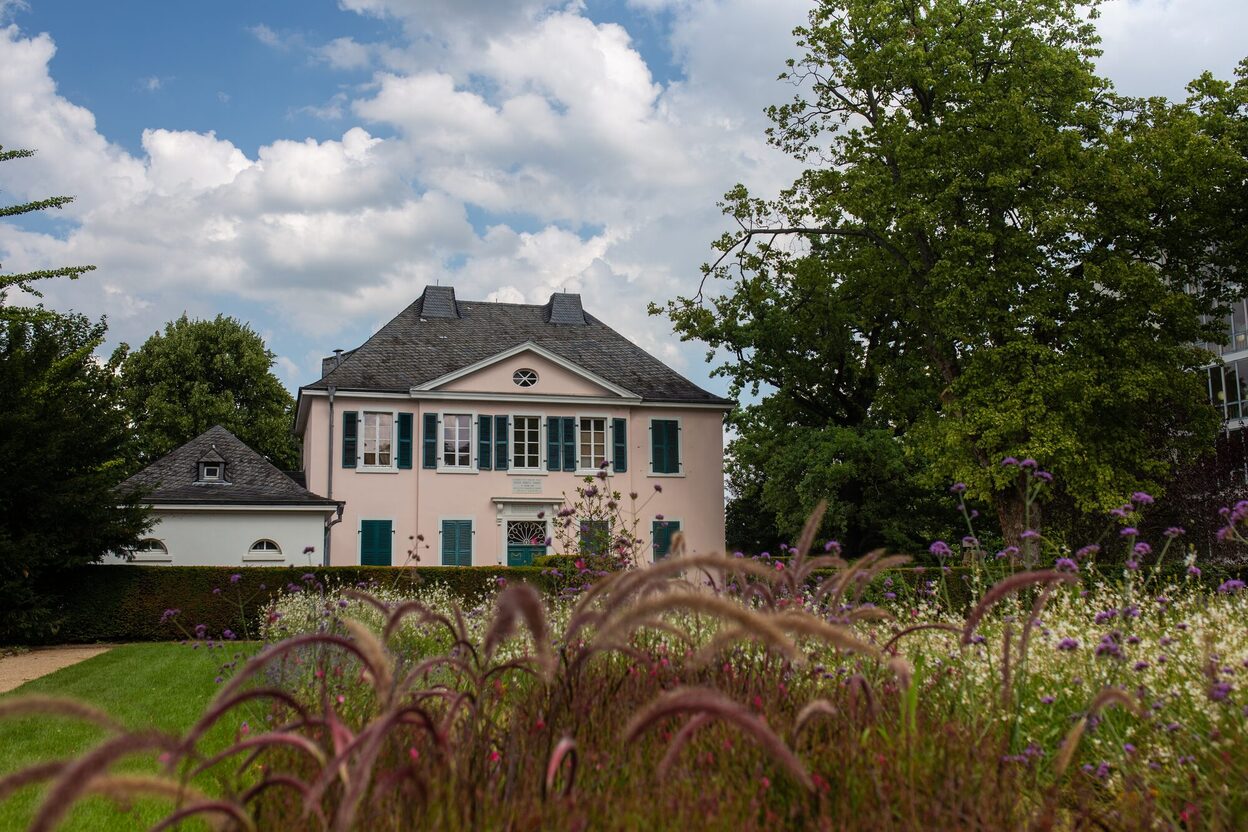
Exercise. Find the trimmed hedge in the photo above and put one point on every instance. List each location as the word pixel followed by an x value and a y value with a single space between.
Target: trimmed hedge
pixel 115 603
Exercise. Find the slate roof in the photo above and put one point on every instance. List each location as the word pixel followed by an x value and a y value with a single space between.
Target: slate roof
pixel 414 348
pixel 250 478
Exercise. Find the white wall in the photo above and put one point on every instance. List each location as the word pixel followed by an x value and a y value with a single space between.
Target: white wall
pixel 221 537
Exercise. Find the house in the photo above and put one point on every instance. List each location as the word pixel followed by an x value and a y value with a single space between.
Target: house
pixel 465 423
pixel 217 502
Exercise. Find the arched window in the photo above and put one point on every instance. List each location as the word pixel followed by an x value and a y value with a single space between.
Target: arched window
pixel 150 549
pixel 265 549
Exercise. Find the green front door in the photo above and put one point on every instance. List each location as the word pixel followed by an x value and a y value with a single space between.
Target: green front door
pixel 375 542
pixel 526 539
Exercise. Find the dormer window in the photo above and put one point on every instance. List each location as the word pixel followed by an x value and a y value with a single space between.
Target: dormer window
pixel 211 472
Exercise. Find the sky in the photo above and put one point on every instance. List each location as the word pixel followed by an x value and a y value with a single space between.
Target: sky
pixel 308 166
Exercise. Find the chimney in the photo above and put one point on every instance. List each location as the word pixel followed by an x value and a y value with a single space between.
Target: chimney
pixel 439 302
pixel 565 310
pixel 337 358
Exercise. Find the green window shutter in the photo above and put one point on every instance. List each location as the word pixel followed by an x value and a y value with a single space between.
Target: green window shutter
pixel 569 443
pixel 661 532
pixel 375 542
pixel 350 430
pixel 429 442
pixel 500 443
pixel 665 446
pixel 457 543
pixel 673 447
pixel 405 440
pixel 553 446
pixel 619 445
pixel 485 442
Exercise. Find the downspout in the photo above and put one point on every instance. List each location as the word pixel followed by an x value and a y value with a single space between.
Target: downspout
pixel 329 457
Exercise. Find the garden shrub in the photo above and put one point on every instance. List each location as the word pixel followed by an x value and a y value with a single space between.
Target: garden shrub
pixel 127 602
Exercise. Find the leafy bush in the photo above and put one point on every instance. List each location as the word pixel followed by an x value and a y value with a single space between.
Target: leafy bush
pixel 128 602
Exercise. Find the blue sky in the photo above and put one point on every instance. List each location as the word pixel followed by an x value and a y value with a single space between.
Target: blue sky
pixel 309 166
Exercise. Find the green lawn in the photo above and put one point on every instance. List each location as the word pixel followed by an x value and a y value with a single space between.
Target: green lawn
pixel 163 686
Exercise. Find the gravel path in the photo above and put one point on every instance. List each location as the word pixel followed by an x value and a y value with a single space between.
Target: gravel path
pixel 17 670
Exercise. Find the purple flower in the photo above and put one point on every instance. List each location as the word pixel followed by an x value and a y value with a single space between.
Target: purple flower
pixel 1047 700
pixel 658 488
pixel 1194 571
pixel 890 596
pixel 1142 549
pixel 307 550
pixel 1065 565
pixel 1141 666
pixel 1008 461
pixel 1133 565
pixel 1030 534
pixel 216 590
pixel 1175 531
pixel 1007 552
pixel 1141 498
pixel 1219 691
pixel 1068 644
pixel 235 578
pixel 832 546
pixel 970 542
pixel 1029 463
pixel 1109 647
pixel 1128 747
pixel 169 614
pixel 201 630
pixel 1087 551
pixel 1129 531
pixel 940 549
pixel 957 488
pixel 1044 476
pixel 658 517
pixel 228 635
pixel 1106 615
pixel 1233 585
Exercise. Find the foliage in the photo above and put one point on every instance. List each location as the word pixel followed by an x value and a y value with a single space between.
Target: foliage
pixel 122 603
pixel 594 523
pixel 778 696
pixel 201 373
pixel 990 253
pixel 24 281
pixel 63 442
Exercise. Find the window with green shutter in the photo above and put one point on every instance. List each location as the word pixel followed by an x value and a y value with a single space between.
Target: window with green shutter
pixel 619 445
pixel 457 543
pixel 350 431
pixel 664 446
pixel 500 443
pixel 429 442
pixel 661 534
pixel 405 440
pixel 568 434
pixel 376 539
pixel 554 447
pixel 485 442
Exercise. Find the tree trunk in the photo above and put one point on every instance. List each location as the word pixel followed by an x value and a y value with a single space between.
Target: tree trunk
pixel 1015 518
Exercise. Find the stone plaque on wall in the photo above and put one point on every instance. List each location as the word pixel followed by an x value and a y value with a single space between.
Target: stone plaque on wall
pixel 526 485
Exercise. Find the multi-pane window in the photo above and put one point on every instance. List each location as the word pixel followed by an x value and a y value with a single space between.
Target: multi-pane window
pixel 595 537
pixel 378 440
pixel 593 442
pixel 456 440
pixel 1228 389
pixel 526 442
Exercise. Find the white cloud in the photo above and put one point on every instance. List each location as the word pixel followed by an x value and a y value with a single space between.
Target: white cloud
pixel 151 83
pixel 592 175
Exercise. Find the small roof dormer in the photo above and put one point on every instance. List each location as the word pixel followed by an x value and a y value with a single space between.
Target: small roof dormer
pixel 210 468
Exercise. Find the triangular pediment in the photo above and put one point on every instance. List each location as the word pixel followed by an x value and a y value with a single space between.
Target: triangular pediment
pixel 551 375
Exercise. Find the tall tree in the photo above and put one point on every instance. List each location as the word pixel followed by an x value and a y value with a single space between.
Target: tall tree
pixel 63 446
pixel 1021 261
pixel 201 373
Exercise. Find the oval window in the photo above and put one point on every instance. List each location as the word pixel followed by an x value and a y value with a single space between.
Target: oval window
pixel 525 377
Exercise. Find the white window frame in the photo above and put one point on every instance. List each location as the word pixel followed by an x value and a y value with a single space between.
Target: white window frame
pixel 151 556
pixel 254 554
pixel 361 430
pixel 540 470
pixel 680 446
pixel 606 442
pixel 472 536
pixel 471 467
pixel 217 466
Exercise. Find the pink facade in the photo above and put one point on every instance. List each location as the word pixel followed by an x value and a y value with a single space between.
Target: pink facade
pixel 418 500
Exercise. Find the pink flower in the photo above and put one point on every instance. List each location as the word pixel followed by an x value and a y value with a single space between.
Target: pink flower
pixel 495 756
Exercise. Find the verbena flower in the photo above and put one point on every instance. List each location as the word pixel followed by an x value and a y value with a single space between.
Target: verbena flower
pixel 1232 585
pixel 1065 565
pixel 1142 498
pixel 1068 644
pixel 1142 549
pixel 940 549
pixel 1030 534
pixel 1129 531
pixel 1175 531
pixel 1008 461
